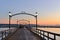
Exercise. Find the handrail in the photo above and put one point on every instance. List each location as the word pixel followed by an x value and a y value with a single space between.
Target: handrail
pixel 3 34
pixel 6 33
pixel 42 32
pixel 50 32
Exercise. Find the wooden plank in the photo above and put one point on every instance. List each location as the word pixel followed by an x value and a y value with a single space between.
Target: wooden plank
pixel 23 34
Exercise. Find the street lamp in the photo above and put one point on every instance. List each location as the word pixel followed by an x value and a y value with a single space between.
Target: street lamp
pixel 9 20
pixel 36 19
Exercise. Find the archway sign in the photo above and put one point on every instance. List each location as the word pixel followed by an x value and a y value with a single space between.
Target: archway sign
pixel 10 16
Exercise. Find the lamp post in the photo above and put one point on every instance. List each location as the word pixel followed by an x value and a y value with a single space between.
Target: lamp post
pixel 9 20
pixel 17 23
pixel 36 20
pixel 29 25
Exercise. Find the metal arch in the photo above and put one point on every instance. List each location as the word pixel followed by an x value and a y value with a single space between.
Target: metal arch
pixel 24 20
pixel 23 13
pixel 29 27
pixel 19 14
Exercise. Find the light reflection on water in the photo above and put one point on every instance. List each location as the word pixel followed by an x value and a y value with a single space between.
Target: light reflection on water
pixel 2 29
pixel 55 30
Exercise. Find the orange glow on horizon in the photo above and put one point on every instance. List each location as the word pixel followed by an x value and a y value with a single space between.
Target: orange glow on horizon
pixel 40 22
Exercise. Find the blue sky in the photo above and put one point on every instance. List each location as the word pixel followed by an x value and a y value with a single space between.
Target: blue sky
pixel 45 8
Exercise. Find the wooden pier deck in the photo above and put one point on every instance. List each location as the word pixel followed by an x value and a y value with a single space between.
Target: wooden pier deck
pixel 24 34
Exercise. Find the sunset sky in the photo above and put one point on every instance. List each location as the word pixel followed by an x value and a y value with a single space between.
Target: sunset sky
pixel 48 11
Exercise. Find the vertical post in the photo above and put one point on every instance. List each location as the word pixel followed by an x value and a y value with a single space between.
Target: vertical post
pixel 36 20
pixel 2 35
pixel 9 21
pixel 48 35
pixel 17 23
pixel 43 34
pixel 29 25
pixel 5 33
pixel 54 37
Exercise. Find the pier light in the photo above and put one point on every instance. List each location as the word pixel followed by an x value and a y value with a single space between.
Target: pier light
pixel 36 14
pixel 10 14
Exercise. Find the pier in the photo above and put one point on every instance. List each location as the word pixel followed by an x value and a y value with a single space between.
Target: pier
pixel 26 32
pixel 23 34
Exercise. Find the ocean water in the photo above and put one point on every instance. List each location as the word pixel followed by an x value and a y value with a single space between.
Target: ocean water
pixel 2 29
